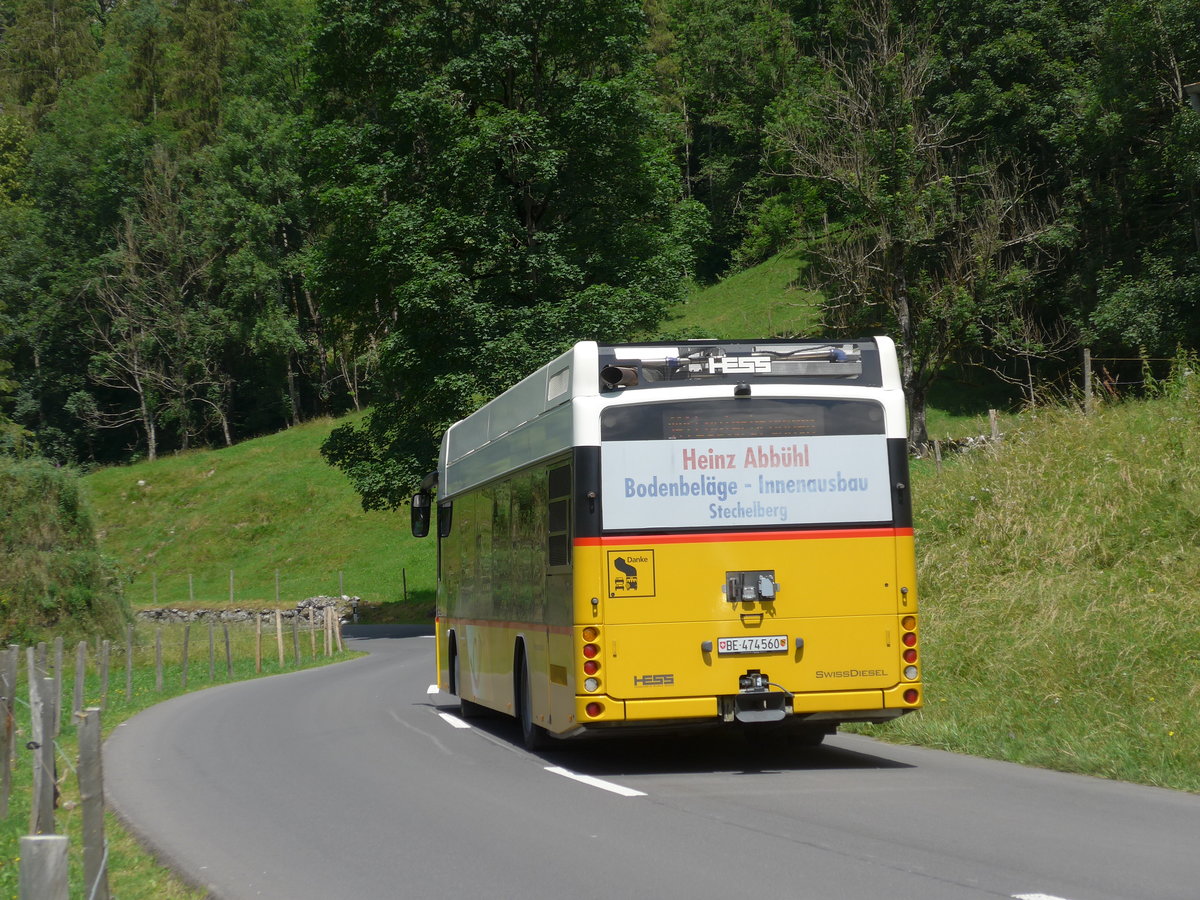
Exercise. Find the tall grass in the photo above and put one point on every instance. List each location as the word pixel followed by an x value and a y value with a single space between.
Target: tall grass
pixel 1061 594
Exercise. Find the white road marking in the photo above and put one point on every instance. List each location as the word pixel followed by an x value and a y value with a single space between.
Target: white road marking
pixel 454 720
pixel 432 689
pixel 1036 897
pixel 596 782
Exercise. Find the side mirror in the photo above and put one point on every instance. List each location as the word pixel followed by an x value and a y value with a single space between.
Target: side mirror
pixel 421 507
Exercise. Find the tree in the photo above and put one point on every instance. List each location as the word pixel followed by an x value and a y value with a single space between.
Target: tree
pixel 48 44
pixel 726 62
pixel 931 233
pixel 156 336
pixel 494 185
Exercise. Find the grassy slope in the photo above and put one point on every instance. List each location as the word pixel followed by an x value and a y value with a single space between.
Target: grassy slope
pixel 1061 595
pixel 261 506
pixel 760 302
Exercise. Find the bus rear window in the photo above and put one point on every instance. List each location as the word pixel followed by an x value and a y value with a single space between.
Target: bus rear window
pixel 740 418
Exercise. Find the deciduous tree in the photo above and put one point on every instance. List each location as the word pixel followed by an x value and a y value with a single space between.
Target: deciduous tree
pixel 495 184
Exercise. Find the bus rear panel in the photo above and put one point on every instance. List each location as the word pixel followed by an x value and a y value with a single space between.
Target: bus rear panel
pixel 684 534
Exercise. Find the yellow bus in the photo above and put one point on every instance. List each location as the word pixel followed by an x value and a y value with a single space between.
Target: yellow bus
pixel 681 534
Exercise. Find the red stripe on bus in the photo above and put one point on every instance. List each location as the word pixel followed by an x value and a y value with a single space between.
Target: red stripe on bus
pixel 713 538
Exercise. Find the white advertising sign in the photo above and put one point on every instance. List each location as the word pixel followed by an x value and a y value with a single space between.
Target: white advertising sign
pixel 733 482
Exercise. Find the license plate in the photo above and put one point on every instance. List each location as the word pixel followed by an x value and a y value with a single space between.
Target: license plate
pixel 759 643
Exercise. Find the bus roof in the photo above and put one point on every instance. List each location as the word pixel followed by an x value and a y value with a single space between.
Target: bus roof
pixel 534 415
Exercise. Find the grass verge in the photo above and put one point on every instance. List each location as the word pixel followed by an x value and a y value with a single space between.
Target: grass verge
pixel 133 872
pixel 1061 595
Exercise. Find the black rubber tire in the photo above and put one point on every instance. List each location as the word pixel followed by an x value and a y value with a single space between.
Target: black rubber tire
pixel 534 735
pixel 467 709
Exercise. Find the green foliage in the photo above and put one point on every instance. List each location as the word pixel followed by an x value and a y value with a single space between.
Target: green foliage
pixel 52 575
pixel 263 506
pixel 767 300
pixel 494 185
pixel 1059 593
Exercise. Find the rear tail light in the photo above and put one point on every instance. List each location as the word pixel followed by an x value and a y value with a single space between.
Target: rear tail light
pixel 911 695
pixel 596 709
pixel 591 661
pixel 909 640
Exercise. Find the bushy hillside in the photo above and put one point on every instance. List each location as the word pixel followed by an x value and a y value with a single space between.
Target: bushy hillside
pixel 1061 594
pixel 52 575
pixel 266 505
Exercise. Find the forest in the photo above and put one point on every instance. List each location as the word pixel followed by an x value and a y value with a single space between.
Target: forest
pixel 220 218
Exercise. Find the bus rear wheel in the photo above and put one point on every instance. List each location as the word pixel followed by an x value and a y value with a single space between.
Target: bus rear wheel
pixel 534 735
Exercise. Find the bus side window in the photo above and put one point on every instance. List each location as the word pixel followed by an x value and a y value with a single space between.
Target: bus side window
pixel 559 537
pixel 445 515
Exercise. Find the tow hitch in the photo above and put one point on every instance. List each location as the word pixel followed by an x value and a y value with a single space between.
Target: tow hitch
pixel 755 701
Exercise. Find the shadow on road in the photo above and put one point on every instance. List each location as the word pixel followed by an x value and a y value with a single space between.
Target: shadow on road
pixel 733 750
pixel 386 631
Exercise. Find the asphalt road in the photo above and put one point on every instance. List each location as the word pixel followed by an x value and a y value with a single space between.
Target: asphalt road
pixel 353 781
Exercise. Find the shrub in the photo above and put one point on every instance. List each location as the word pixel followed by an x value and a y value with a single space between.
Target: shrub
pixel 52 575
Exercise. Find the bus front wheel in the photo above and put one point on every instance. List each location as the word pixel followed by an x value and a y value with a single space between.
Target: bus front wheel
pixel 467 709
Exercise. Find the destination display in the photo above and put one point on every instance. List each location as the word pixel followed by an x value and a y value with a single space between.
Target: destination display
pixel 731 482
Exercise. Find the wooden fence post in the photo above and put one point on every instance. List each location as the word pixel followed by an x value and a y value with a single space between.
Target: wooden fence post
pixel 937 455
pixel 296 637
pixel 91 795
pixel 8 683
pixel 43 867
pixel 312 630
pixel 80 671
pixel 337 629
pixel 105 653
pixel 257 641
pixel 1087 380
pixel 35 736
pixel 212 653
pixel 187 635
pixel 58 668
pixel 158 662
pixel 128 663
pixel 994 421
pixel 279 635
pixel 228 654
pixel 41 705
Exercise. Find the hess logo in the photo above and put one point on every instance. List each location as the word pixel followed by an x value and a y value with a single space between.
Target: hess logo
pixel 742 364
pixel 649 680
